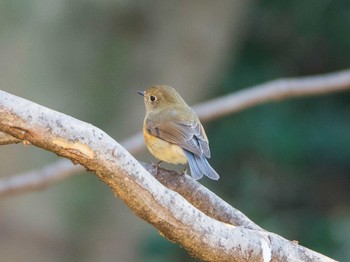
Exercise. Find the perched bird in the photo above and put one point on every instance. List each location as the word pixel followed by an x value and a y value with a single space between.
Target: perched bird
pixel 173 132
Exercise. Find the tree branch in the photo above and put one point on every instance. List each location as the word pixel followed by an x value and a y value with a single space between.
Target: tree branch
pixel 6 139
pixel 38 179
pixel 201 197
pixel 204 237
pixel 215 108
pixel 275 90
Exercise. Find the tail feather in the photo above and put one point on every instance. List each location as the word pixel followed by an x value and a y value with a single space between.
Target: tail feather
pixel 199 166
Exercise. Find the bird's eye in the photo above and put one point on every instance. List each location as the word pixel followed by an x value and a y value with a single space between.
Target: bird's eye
pixel 152 98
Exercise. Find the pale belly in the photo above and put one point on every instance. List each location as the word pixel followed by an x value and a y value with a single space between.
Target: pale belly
pixel 165 151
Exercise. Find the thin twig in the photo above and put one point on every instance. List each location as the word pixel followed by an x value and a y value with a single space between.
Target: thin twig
pixel 38 179
pixel 275 90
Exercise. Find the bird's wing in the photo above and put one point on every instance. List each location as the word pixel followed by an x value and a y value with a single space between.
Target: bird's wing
pixel 188 135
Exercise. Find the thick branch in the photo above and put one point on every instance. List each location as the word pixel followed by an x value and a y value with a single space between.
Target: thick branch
pixel 201 197
pixel 204 237
pixel 6 139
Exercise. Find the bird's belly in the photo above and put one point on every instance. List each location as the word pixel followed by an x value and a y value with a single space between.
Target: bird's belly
pixel 165 151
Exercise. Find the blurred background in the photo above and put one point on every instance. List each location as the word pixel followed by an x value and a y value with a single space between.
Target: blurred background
pixel 286 165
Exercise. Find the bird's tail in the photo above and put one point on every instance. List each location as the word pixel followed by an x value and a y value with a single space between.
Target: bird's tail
pixel 199 166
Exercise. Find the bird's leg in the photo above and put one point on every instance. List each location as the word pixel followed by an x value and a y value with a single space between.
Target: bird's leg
pixel 157 165
pixel 184 171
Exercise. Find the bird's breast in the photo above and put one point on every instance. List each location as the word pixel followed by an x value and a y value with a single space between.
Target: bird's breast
pixel 163 150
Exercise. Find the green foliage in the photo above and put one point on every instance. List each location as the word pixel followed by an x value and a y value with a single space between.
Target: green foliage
pixel 289 162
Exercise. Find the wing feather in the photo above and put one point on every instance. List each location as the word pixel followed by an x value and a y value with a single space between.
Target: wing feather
pixel 188 135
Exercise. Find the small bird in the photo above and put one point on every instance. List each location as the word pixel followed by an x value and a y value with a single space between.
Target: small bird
pixel 173 132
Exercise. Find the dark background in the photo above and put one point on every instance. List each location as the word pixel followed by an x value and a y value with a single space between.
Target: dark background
pixel 286 165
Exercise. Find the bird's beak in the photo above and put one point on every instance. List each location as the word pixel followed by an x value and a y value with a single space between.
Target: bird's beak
pixel 141 93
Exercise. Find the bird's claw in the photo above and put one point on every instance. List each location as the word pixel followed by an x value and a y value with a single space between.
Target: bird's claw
pixel 157 165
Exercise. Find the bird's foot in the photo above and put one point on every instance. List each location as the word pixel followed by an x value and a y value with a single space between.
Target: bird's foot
pixel 157 165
